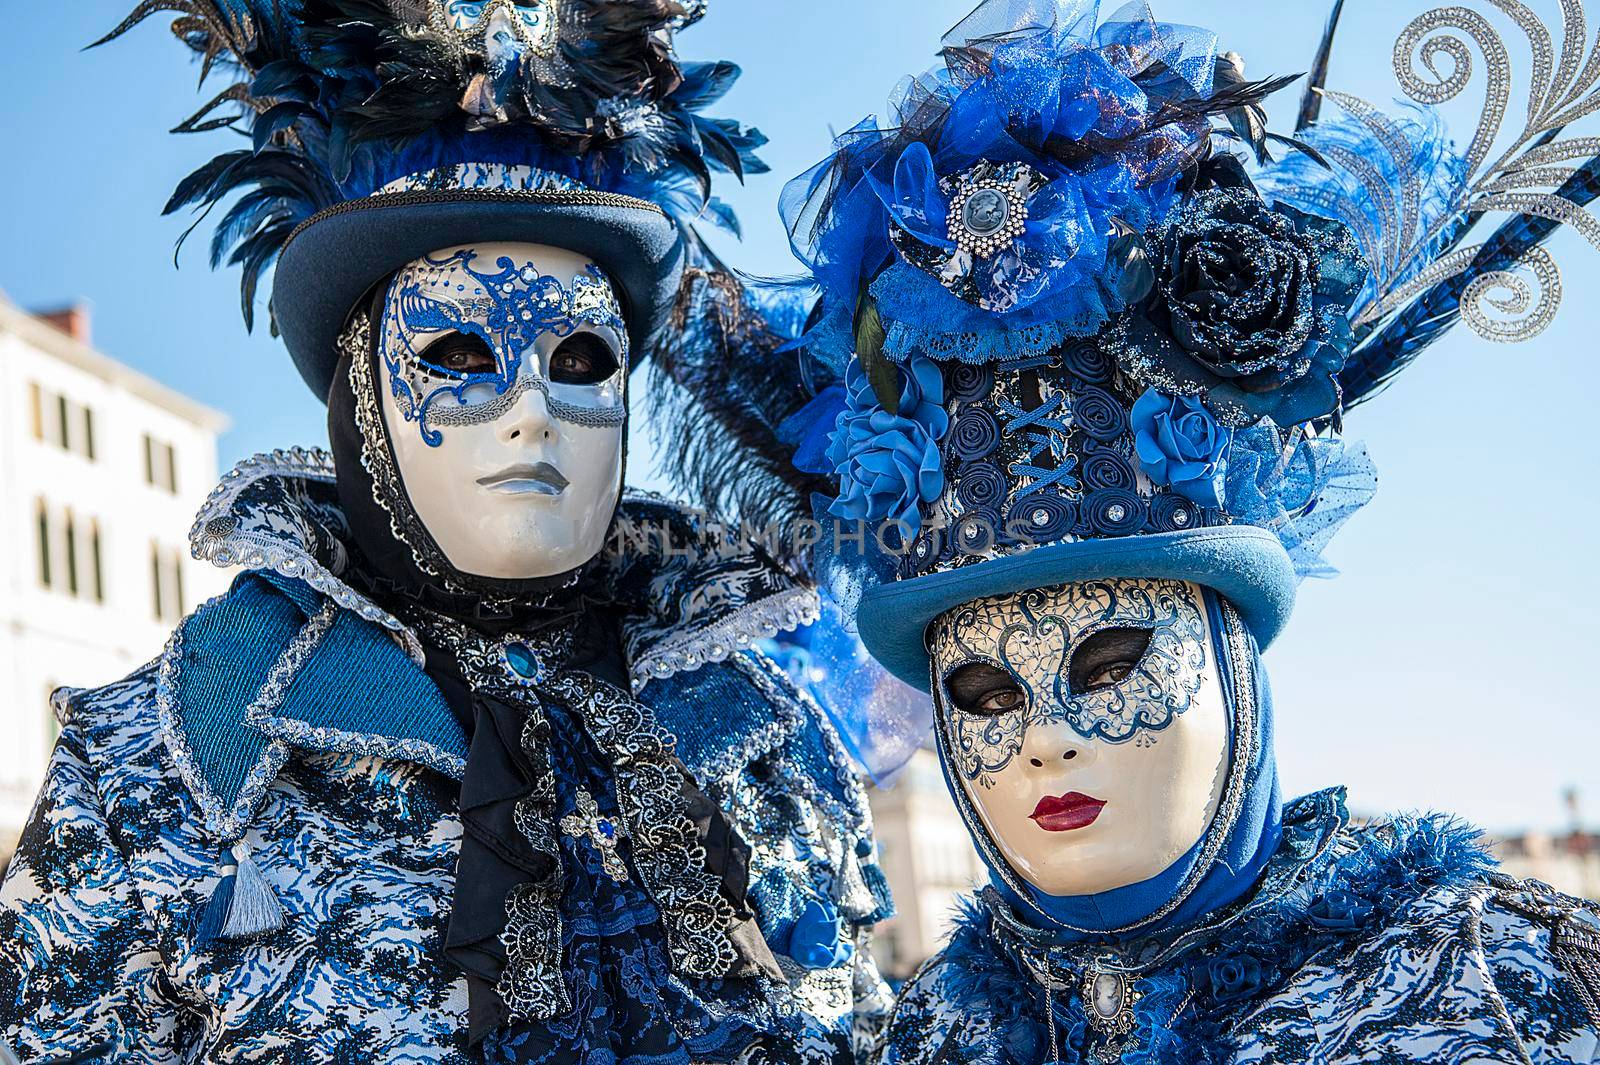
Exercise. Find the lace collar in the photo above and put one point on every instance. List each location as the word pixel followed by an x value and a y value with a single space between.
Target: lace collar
pixel 694 590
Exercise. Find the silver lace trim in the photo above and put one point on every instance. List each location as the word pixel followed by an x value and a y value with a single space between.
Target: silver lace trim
pixel 737 632
pixel 217 537
pixel 227 823
pixel 262 714
pixel 666 851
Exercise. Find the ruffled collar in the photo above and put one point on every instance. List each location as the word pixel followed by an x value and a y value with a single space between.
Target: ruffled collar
pixel 691 591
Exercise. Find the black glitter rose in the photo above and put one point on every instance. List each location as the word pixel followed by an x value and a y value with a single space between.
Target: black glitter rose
pixel 1340 911
pixel 975 435
pixel 1098 414
pixel 1107 469
pixel 982 485
pixel 1114 512
pixel 978 531
pixel 1250 309
pixel 1040 518
pixel 966 382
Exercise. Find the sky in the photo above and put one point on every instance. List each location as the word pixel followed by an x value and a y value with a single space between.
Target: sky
pixel 1450 667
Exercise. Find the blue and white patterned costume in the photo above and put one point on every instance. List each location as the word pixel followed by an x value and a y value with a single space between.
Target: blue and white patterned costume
pixel 290 714
pixel 1390 942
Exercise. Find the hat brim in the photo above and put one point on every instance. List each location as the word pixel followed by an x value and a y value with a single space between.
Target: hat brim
pixel 1244 564
pixel 335 258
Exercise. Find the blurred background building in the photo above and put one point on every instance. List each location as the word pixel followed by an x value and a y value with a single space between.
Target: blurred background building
pixel 101 472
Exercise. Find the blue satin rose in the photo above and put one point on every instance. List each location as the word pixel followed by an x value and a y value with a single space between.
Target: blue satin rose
pixel 1181 445
pixel 888 464
pixel 1235 976
pixel 815 941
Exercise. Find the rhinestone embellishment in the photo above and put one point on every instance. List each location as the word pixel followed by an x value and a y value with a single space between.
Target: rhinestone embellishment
pixel 987 213
pixel 586 822
pixel 1108 998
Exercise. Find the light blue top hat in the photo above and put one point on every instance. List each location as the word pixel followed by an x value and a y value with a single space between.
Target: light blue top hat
pixel 380 132
pixel 1077 322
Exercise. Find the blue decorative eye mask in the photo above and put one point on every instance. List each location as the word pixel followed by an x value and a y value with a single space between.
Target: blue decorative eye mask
pixel 1039 640
pixel 461 346
pixel 534 21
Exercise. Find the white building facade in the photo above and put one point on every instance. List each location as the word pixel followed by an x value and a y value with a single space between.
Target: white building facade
pixel 101 472
pixel 927 857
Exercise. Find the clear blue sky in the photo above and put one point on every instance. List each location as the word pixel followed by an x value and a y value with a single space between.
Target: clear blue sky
pixel 1452 665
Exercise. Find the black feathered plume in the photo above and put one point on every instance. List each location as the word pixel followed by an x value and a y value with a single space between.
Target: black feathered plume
pixel 339 97
pixel 723 387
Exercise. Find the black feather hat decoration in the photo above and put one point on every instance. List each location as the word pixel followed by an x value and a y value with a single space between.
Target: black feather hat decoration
pixel 552 100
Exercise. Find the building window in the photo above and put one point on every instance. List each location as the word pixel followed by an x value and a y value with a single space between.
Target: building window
pixel 74 563
pixel 166 584
pixel 160 465
pixel 43 512
pixel 97 572
pixel 69 425
pixel 70 555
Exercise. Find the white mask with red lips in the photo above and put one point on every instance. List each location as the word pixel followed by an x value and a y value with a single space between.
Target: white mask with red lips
pixel 503 371
pixel 1087 727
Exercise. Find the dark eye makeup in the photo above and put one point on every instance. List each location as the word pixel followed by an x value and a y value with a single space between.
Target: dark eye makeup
pixel 979 688
pixel 582 359
pixel 458 355
pixel 1105 658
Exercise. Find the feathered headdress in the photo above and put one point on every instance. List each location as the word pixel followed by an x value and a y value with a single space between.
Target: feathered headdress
pixel 548 106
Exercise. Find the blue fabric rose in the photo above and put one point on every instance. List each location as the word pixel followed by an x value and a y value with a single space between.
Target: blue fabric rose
pixel 888 464
pixel 815 941
pixel 1234 977
pixel 1340 911
pixel 1180 445
pixel 1250 309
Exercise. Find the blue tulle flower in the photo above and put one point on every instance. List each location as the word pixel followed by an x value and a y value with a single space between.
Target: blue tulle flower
pixel 1180 445
pixel 985 220
pixel 1303 491
pixel 888 464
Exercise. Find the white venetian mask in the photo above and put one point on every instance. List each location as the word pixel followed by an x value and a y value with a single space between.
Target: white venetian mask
pixel 1087 727
pixel 503 383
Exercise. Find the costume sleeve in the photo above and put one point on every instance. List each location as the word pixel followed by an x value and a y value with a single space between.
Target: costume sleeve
pixel 80 975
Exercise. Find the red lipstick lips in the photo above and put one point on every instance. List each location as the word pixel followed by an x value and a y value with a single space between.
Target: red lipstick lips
pixel 1063 813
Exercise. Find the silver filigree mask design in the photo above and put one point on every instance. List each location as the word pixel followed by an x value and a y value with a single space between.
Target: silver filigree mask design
pixel 520 316
pixel 1035 637
pixel 1086 725
pixel 504 373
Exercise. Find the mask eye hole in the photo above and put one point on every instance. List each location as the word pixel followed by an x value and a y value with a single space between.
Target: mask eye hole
pixel 582 359
pixel 985 690
pixel 1105 658
pixel 459 355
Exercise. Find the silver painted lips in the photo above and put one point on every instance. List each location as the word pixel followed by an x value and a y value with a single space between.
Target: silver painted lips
pixel 540 478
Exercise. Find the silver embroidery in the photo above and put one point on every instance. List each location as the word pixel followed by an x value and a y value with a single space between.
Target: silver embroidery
pixel 666 850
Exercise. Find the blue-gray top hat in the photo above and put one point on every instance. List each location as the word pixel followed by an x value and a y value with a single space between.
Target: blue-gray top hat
pixel 1066 332
pixel 381 130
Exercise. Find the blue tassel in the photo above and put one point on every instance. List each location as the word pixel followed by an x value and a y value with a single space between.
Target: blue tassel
pixel 244 904
pixel 254 909
pixel 878 884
